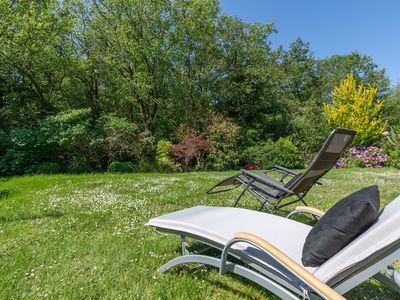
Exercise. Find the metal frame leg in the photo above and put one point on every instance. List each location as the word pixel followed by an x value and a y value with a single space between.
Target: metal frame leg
pixel 264 205
pixel 242 193
pixel 387 281
pixel 251 275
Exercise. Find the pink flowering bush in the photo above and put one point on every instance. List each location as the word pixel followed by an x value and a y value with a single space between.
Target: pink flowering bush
pixel 369 157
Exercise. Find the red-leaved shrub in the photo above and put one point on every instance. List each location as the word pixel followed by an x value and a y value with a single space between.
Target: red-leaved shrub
pixel 192 147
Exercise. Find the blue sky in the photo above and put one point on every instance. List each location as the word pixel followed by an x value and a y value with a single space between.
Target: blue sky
pixel 331 27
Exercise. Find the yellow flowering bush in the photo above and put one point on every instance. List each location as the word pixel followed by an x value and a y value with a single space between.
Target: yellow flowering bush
pixel 355 107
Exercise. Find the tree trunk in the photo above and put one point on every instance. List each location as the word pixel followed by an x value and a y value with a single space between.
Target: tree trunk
pixel 95 101
pixel 41 100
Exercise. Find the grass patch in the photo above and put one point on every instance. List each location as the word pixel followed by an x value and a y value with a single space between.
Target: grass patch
pixel 82 236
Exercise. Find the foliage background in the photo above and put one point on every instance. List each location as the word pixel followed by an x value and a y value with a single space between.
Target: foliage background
pixel 84 83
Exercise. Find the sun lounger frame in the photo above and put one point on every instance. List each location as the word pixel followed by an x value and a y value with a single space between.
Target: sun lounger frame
pixel 275 282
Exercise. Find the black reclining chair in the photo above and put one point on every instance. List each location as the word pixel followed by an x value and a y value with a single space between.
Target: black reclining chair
pixel 271 192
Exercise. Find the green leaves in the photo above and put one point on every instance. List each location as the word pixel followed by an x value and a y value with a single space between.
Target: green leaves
pixel 107 79
pixel 34 44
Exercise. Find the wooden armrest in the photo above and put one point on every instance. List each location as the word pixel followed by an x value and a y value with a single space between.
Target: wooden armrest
pixel 319 286
pixel 310 210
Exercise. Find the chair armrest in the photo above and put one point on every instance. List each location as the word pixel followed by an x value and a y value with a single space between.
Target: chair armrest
pixel 283 169
pixel 266 182
pixel 306 210
pixel 316 284
pixel 289 172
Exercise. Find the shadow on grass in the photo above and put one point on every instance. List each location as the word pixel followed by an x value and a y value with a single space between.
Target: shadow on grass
pixel 237 290
pixel 30 217
pixel 371 287
pixel 203 272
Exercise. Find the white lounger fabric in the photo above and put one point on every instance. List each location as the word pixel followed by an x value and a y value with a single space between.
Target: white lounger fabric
pixel 383 233
pixel 219 224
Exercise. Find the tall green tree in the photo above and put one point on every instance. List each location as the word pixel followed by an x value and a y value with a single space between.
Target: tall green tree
pixel 134 39
pixel 336 67
pixel 35 45
pixel 391 109
pixel 244 87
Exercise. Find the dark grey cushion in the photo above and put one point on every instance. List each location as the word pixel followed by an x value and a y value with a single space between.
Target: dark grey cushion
pixel 346 220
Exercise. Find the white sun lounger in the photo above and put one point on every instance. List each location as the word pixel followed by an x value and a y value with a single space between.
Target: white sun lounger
pixel 268 249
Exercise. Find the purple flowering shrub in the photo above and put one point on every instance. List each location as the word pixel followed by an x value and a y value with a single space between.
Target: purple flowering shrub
pixel 369 157
pixel 341 163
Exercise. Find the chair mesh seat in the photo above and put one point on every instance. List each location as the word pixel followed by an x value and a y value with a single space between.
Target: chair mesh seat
pixel 260 186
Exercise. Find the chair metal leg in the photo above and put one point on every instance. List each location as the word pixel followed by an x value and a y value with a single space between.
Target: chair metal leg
pixel 242 193
pixel 389 282
pixel 240 196
pixel 264 205
pixel 304 202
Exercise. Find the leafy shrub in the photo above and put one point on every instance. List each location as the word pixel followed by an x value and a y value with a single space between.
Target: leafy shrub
pixel 223 136
pixel 192 148
pixel 355 107
pixel 74 132
pixel 121 167
pixel 391 110
pixel 393 137
pixel 250 137
pixel 309 127
pixel 354 162
pixel 184 131
pixel 109 138
pixel 121 139
pixel 394 159
pixel 4 141
pixel 391 145
pixel 25 147
pixel 163 150
pixel 282 152
pixel 164 156
pixel 148 167
pixel 48 168
pixel 79 168
pixel 69 128
pixel 15 162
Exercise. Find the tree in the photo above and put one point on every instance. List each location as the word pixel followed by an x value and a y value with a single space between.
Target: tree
pixel 244 87
pixel 391 110
pixel 114 76
pixel 300 95
pixel 134 39
pixel 35 45
pixel 301 80
pixel 355 106
pixel 333 69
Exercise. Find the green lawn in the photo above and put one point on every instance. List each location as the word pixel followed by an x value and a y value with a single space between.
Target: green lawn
pixel 83 236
